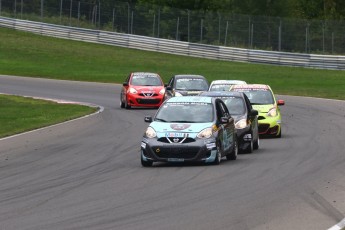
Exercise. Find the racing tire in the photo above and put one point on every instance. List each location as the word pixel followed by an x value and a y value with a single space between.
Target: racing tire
pixel 280 133
pixel 122 105
pixel 127 106
pixel 146 163
pixel 250 148
pixel 233 155
pixel 257 143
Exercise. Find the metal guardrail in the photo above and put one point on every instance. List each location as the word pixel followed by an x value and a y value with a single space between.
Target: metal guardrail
pixel 178 47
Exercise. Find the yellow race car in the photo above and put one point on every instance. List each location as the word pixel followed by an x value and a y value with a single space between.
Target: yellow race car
pixel 263 100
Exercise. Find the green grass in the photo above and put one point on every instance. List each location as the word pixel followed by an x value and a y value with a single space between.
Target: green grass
pixel 26 54
pixel 19 114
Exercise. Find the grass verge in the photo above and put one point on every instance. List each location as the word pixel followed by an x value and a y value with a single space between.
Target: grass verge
pixel 26 54
pixel 19 114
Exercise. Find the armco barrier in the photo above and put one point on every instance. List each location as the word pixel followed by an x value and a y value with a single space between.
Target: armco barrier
pixel 178 47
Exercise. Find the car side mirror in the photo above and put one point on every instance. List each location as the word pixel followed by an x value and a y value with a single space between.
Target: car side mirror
pixel 125 84
pixel 165 85
pixel 148 119
pixel 281 102
pixel 254 112
pixel 224 120
pixel 168 88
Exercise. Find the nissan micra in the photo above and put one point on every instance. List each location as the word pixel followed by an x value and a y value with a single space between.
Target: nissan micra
pixel 190 129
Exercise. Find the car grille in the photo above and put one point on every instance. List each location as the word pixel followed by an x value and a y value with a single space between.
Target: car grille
pixel 148 101
pixel 176 152
pixel 148 94
pixel 175 140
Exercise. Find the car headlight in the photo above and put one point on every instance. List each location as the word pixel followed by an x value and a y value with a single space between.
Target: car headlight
pixel 162 92
pixel 272 112
pixel 132 91
pixel 150 132
pixel 241 124
pixel 205 133
pixel 177 94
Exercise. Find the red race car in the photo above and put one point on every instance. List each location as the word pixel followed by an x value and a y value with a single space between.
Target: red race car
pixel 142 89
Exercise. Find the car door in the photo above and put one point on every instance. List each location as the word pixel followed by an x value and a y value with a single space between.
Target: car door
pixel 226 130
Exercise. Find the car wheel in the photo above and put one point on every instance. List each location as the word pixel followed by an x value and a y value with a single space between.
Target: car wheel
pixel 122 105
pixel 146 163
pixel 280 133
pixel 234 153
pixel 257 143
pixel 250 147
pixel 127 106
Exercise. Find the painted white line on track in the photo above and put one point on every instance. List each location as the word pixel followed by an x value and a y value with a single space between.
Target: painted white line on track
pixel 101 109
pixel 339 226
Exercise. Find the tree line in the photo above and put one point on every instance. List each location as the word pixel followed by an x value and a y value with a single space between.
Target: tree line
pixel 304 9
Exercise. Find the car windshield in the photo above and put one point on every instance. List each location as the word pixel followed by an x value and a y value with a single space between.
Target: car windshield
pixel 185 112
pixel 259 97
pixel 191 84
pixel 236 105
pixel 146 80
pixel 220 87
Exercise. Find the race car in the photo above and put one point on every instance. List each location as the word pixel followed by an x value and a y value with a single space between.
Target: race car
pixel 185 85
pixel 142 89
pixel 189 129
pixel 263 100
pixel 246 119
pixel 224 85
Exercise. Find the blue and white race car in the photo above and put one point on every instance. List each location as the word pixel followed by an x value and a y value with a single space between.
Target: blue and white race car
pixel 190 129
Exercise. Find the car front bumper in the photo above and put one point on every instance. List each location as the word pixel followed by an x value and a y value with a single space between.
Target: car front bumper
pixel 198 151
pixel 142 101
pixel 269 125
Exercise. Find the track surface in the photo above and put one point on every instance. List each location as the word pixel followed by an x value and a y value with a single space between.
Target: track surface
pixel 86 174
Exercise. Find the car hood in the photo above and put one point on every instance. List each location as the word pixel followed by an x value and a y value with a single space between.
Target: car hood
pixel 148 89
pixel 263 108
pixel 162 128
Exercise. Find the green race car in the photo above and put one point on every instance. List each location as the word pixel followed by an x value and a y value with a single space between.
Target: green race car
pixel 263 100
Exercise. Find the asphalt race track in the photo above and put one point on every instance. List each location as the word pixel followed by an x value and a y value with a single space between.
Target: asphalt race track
pixel 86 174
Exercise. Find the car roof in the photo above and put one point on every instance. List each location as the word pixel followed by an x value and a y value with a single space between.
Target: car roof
pixel 191 99
pixel 222 94
pixel 252 86
pixel 228 82
pixel 189 76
